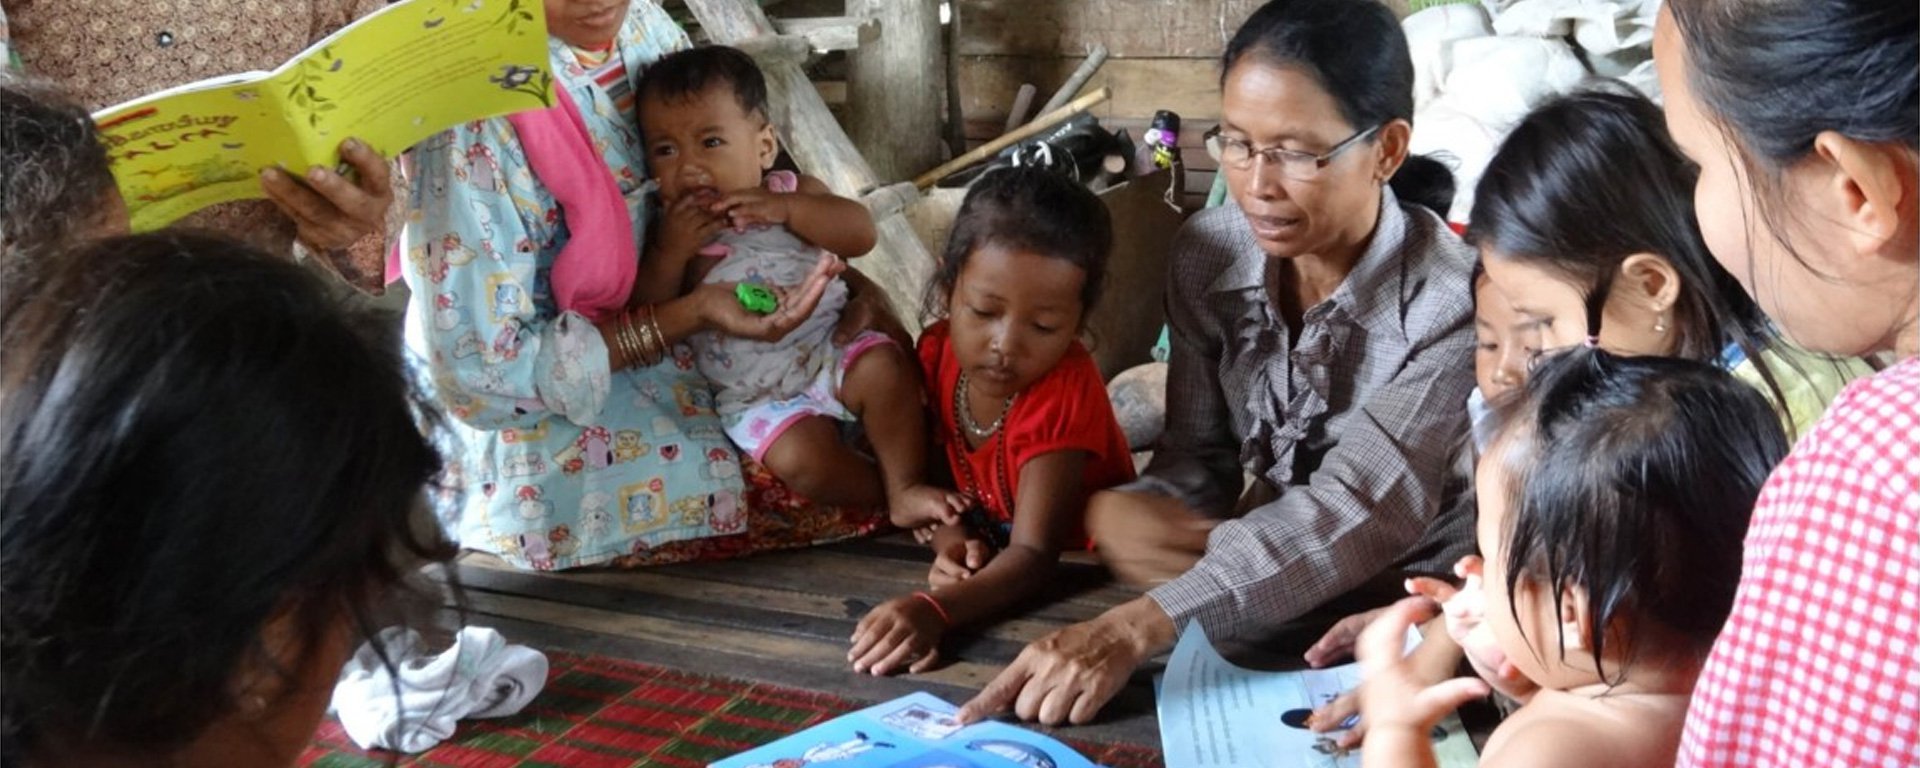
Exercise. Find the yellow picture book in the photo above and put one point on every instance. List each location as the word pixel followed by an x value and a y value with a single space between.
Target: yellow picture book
pixel 390 79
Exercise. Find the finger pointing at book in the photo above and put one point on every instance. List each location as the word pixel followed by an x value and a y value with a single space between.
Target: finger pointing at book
pixel 1069 675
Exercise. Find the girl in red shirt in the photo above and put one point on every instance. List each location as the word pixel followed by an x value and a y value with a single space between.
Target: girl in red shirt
pixel 1019 407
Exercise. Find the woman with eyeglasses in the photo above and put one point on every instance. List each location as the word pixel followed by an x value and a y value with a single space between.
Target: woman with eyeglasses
pixel 1321 343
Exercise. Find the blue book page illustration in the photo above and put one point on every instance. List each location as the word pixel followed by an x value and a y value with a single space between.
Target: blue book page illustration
pixel 914 731
pixel 1214 714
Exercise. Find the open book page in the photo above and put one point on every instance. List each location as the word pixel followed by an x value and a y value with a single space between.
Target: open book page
pixel 1214 714
pixel 914 731
pixel 196 147
pixel 390 79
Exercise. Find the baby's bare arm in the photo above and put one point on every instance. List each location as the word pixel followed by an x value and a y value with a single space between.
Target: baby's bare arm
pixel 830 221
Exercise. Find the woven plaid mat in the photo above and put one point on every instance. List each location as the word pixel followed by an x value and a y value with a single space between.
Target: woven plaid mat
pixel 600 712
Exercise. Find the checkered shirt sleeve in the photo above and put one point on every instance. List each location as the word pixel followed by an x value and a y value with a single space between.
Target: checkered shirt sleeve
pixel 1819 663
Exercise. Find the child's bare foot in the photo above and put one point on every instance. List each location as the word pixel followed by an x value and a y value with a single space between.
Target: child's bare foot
pixel 920 506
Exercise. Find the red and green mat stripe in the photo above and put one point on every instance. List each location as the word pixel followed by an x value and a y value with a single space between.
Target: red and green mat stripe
pixel 600 712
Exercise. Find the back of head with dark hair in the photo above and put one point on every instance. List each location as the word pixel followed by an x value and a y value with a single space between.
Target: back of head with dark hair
pixel 1358 53
pixel 1775 74
pixel 54 174
pixel 198 440
pixel 1632 479
pixel 685 74
pixel 1032 210
pixel 1780 73
pixel 1589 179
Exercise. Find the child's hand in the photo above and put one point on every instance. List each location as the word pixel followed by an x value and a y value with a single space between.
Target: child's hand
pixel 957 561
pixel 1465 609
pixel 921 506
pixel 757 206
pixel 1341 713
pixel 1393 697
pixel 904 630
pixel 686 226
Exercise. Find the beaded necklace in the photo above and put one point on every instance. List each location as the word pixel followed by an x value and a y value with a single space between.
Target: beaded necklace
pixel 996 442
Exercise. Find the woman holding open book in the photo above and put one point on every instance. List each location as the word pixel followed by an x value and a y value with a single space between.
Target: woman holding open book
pixel 149 46
pixel 588 435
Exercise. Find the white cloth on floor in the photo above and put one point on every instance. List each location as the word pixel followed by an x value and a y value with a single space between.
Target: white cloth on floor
pixel 480 676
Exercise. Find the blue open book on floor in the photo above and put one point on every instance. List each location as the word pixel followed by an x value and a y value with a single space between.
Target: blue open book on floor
pixel 1214 714
pixel 914 731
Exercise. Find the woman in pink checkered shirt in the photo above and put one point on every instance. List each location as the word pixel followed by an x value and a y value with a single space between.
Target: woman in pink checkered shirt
pixel 1805 120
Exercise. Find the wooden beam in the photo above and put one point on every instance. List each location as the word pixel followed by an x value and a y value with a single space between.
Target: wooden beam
pixel 894 89
pixel 1077 80
pixel 776 49
pixel 1022 101
pixel 1141 87
pixel 899 264
pixel 1129 28
pixel 891 199
pixel 832 33
pixel 831 91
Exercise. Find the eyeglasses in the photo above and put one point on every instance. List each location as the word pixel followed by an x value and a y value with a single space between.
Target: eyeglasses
pixel 1299 166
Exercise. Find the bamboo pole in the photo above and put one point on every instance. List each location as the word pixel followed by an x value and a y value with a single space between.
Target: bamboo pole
pixel 1081 75
pixel 1018 135
pixel 1022 101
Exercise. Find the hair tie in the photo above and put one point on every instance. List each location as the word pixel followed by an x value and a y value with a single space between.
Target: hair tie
pixel 1593 342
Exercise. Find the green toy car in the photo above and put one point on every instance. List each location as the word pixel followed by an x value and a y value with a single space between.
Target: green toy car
pixel 756 298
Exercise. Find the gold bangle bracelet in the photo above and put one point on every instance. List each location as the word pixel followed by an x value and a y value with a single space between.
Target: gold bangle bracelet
pixel 653 324
pixel 652 346
pixel 628 340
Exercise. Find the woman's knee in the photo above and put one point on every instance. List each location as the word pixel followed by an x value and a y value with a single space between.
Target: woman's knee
pixel 1129 521
pixel 1113 520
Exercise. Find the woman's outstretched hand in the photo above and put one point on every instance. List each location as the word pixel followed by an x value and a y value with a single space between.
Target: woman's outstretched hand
pixel 721 310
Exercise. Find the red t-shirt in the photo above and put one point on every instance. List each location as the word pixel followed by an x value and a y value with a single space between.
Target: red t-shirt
pixel 1066 410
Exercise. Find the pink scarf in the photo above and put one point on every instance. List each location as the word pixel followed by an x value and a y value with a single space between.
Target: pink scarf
pixel 594 273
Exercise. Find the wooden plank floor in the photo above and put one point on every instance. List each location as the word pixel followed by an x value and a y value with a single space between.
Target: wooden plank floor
pixel 785 618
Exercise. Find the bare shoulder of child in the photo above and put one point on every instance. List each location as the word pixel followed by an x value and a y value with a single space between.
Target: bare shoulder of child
pixel 1571 729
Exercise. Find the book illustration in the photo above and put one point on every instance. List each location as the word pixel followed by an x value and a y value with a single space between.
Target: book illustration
pixel 1014 751
pixel 516 13
pixel 168 181
pixel 512 15
pixel 532 81
pixel 923 722
pixel 304 93
pixel 918 730
pixel 830 752
pixel 1214 714
pixel 390 79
